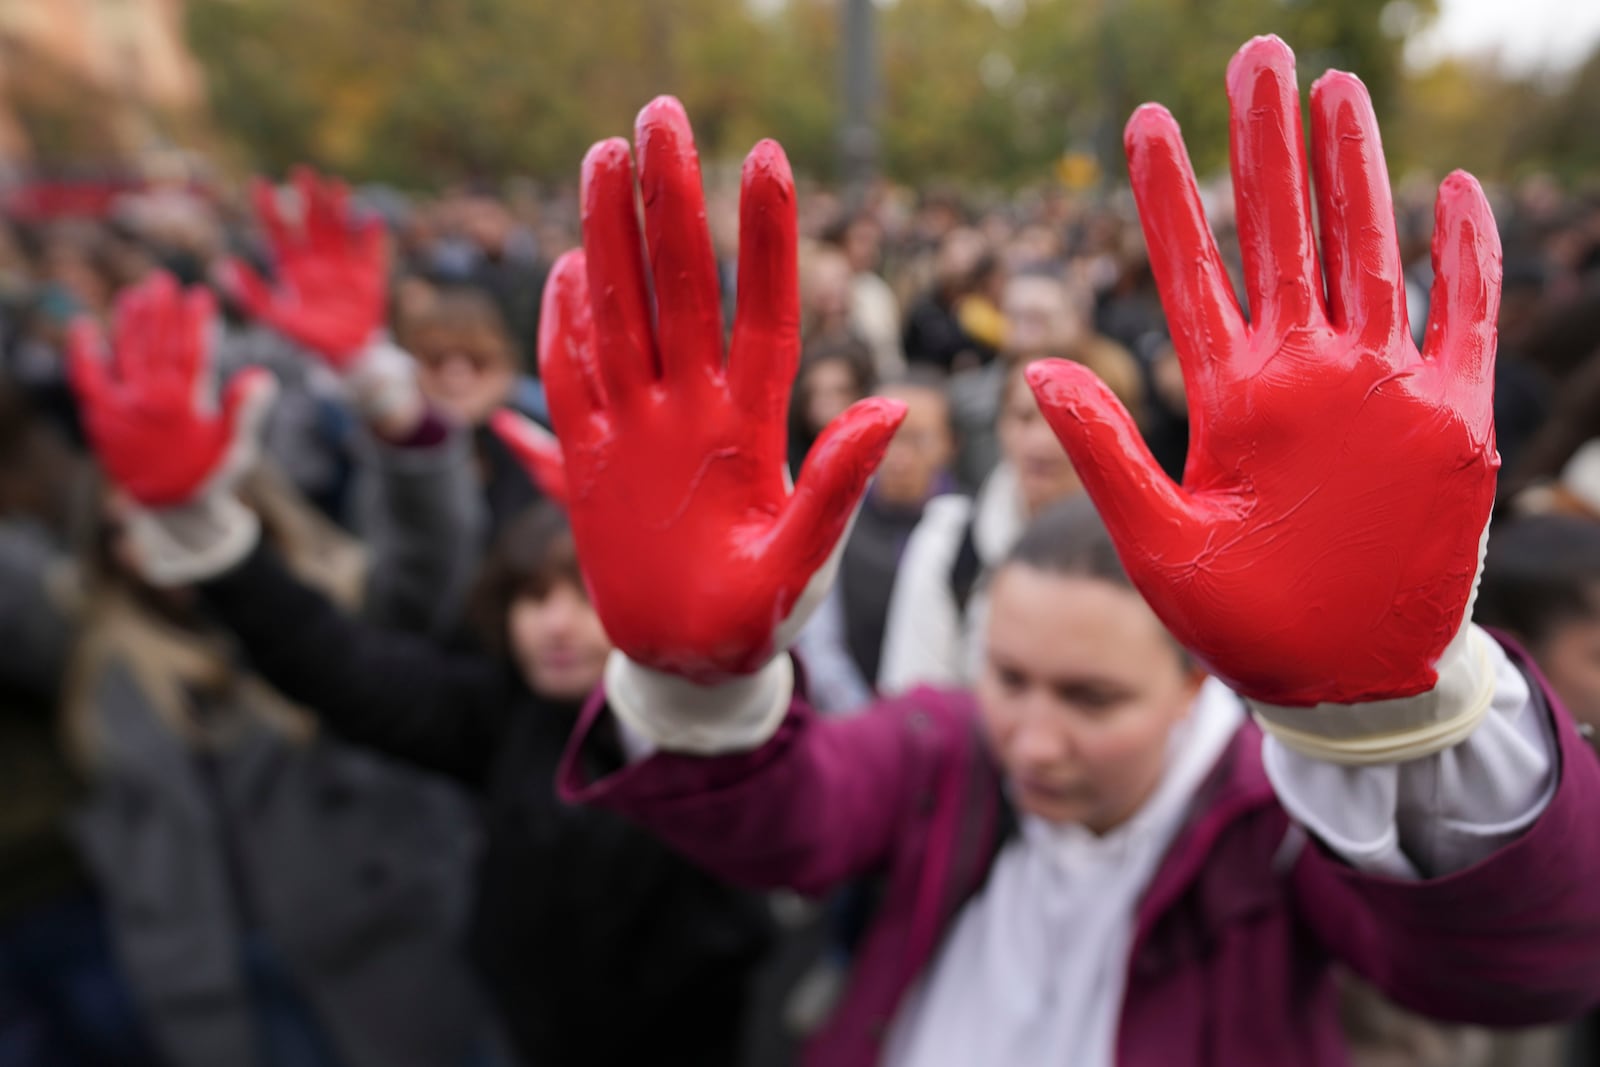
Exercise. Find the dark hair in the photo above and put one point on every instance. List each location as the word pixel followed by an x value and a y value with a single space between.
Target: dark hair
pixel 987 266
pixel 1069 538
pixel 531 555
pixel 37 467
pixel 16 425
pixel 847 349
pixel 460 305
pixel 1540 572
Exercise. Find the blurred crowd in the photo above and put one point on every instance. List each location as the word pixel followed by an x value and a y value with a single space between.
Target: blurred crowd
pixel 210 852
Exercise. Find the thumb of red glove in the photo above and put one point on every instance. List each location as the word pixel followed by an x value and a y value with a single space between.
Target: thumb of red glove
pixel 537 449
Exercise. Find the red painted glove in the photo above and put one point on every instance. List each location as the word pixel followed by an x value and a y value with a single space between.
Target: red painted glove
pixel 695 550
pixel 165 438
pixel 332 271
pixel 150 409
pixel 1324 544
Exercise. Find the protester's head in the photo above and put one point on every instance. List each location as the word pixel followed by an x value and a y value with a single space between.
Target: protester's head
pixel 76 273
pixel 987 279
pixel 1541 584
pixel 531 606
pixel 834 373
pixel 1043 318
pixel 487 223
pixel 825 276
pixel 1034 249
pixel 862 241
pixel 924 445
pixel 961 253
pixel 1044 473
pixel 466 362
pixel 1081 684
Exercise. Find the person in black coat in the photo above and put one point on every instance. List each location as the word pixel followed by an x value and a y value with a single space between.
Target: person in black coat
pixel 598 945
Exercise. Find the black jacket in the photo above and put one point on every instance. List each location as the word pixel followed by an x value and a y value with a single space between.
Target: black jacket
pixel 598 945
pixel 934 336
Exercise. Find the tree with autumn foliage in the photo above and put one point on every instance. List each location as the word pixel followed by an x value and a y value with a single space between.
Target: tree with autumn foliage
pixel 430 91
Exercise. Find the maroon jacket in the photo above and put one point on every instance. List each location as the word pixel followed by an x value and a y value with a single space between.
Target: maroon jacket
pixel 1236 933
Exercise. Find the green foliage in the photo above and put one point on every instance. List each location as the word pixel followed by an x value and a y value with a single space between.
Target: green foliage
pixel 430 91
pixel 436 90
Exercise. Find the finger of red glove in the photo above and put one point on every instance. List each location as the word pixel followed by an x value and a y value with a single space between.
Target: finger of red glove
pixel 138 321
pixel 568 362
pixel 371 243
pixel 1366 282
pixel 831 482
pixel 1139 503
pixel 1464 306
pixel 536 449
pixel 1271 193
pixel 323 206
pixel 766 329
pixel 1196 292
pixel 682 264
pixel 169 343
pixel 624 340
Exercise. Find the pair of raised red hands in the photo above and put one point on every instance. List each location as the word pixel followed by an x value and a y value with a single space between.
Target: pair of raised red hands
pixel 148 407
pixel 1325 539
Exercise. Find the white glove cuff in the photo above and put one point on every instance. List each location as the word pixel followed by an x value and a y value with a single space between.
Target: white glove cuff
pixel 1394 731
pixel 193 542
pixel 677 715
pixel 382 382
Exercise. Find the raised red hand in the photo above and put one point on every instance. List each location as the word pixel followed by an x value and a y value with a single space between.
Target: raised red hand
pixel 1325 540
pixel 149 405
pixel 695 549
pixel 332 271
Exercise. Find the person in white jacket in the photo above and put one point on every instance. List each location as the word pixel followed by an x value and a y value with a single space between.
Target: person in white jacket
pixel 940 597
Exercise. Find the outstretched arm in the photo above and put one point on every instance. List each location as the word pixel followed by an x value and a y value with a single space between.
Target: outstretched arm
pixel 151 408
pixel 394 692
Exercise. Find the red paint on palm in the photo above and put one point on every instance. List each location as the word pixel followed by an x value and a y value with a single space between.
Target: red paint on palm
pixel 332 271
pixel 1325 539
pixel 694 547
pixel 160 438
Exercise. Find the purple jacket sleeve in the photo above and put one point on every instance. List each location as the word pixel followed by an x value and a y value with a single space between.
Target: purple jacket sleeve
pixel 1513 940
pixel 821 802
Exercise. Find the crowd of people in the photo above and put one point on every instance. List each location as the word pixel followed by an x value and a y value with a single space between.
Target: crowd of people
pixel 281 768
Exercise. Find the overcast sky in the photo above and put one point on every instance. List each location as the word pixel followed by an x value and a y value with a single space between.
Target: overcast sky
pixel 1525 34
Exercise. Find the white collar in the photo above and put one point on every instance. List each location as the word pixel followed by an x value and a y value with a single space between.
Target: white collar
pixel 1193 748
pixel 998 515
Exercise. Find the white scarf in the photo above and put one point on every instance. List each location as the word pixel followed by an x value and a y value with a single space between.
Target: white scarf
pixel 1033 971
